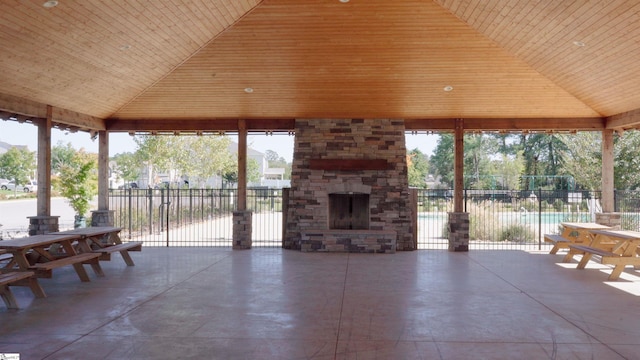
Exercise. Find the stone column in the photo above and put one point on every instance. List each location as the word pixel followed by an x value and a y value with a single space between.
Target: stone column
pixel 102 217
pixel 39 225
pixel 242 230
pixel 458 231
pixel 611 219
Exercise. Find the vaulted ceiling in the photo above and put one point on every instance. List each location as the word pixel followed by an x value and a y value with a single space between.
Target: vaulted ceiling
pixel 203 64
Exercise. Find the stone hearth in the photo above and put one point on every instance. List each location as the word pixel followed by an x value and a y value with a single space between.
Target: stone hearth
pixel 354 158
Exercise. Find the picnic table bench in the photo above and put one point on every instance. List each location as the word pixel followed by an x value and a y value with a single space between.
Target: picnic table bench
pixel 613 247
pixel 572 233
pixel 558 241
pixel 18 278
pixel 104 240
pixel 35 253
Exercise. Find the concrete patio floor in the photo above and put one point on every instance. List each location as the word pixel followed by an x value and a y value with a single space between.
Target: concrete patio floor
pixel 215 303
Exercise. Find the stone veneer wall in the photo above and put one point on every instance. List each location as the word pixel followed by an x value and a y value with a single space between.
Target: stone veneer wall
pixel 389 201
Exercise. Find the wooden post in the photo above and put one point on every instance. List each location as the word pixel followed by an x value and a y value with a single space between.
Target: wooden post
pixel 608 205
pixel 103 170
pixel 44 164
pixel 458 186
pixel 242 165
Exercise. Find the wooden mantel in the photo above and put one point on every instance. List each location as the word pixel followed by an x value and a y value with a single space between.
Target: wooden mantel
pixel 348 164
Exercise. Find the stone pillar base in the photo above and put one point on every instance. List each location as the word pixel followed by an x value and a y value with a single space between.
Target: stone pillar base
pixel 458 231
pixel 242 230
pixel 39 225
pixel 612 219
pixel 102 217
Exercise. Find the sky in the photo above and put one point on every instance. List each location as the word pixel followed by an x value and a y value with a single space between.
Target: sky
pixel 15 133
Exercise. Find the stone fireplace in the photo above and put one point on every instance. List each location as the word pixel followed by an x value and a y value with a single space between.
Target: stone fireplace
pixel 349 188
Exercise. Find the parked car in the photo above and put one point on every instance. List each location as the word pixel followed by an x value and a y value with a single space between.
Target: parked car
pixel 29 186
pixel 130 185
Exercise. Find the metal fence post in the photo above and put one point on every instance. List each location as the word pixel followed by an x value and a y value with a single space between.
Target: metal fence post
pixel 130 210
pixel 539 218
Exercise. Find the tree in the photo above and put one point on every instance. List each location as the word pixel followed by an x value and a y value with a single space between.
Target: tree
pixel 276 161
pixel 230 175
pixel 582 159
pixel 61 155
pixel 17 164
pixel 77 181
pixel 127 166
pixel 443 158
pixel 477 151
pixel 418 168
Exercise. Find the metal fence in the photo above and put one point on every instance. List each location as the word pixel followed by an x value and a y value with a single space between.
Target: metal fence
pixel 194 217
pixel 498 219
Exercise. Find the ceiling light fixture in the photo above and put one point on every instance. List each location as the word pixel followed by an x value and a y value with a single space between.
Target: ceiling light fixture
pixel 579 43
pixel 344 1
pixel 50 4
pixel 448 88
pixel 125 47
pixel 248 90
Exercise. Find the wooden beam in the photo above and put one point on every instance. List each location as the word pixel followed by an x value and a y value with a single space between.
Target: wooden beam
pixel 625 120
pixel 20 106
pixel 607 172
pixel 242 165
pixel 197 124
pixel 498 124
pixel 103 170
pixel 68 118
pixel 458 168
pixel 43 201
pixel 27 109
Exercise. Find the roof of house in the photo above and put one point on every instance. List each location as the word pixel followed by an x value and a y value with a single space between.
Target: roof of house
pixel 195 65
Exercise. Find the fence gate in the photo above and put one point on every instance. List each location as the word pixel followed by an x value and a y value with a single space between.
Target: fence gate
pixel 194 217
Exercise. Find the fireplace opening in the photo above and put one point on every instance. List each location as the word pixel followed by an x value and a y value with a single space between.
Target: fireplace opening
pixel 349 211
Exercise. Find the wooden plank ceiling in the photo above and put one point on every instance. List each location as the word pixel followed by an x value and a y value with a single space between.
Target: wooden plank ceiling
pixel 202 64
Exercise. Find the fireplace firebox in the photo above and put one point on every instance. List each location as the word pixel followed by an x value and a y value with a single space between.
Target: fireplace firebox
pixel 349 211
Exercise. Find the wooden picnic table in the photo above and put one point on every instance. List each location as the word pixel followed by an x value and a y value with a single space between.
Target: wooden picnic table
pixel 615 247
pixel 578 233
pixel 105 240
pixel 38 253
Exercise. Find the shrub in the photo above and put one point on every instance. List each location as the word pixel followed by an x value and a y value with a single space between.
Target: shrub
pixel 516 233
pixel 558 205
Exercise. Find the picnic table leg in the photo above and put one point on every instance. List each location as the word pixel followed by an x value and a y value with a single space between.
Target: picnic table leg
pixel 567 258
pixel 97 269
pixel 34 285
pixel 554 249
pixel 127 258
pixel 82 273
pixel 585 259
pixel 617 270
pixel 8 298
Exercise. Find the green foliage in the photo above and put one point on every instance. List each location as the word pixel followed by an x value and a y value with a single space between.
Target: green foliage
pixel 127 166
pixel 583 159
pixel 77 181
pixel 61 155
pixel 18 165
pixel 418 168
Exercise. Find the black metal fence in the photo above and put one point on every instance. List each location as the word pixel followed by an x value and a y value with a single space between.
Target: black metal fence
pixel 194 217
pixel 499 219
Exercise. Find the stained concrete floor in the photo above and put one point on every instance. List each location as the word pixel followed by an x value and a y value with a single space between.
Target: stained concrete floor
pixel 213 303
